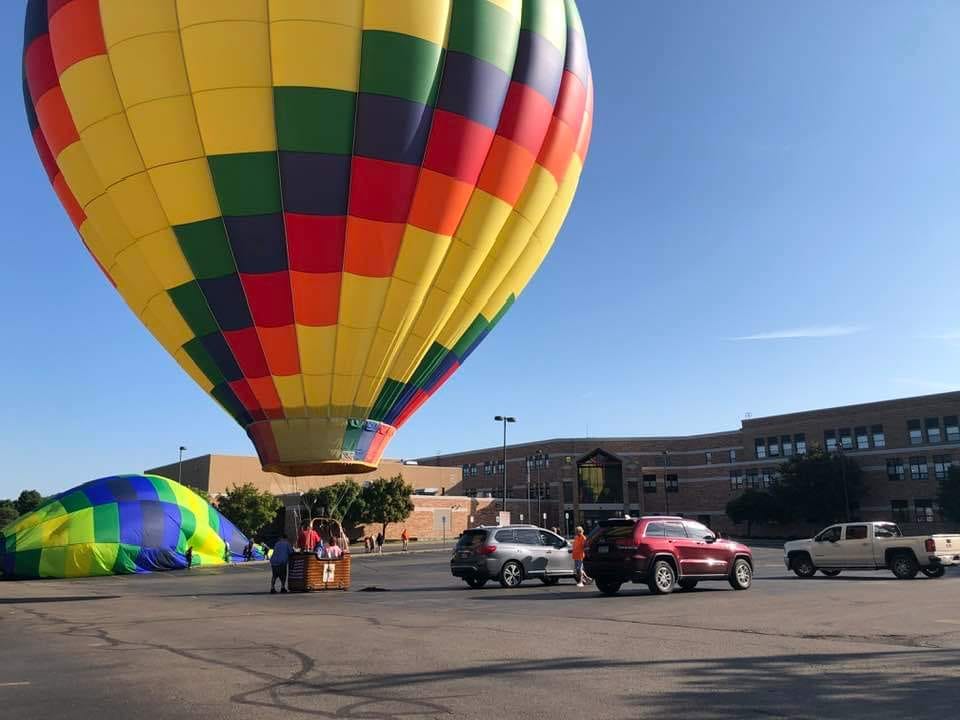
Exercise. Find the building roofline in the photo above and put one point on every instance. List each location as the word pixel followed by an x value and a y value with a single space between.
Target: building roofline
pixel 744 424
pixel 854 407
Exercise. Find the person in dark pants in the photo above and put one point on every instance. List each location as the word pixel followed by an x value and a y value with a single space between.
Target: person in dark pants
pixel 188 556
pixel 278 564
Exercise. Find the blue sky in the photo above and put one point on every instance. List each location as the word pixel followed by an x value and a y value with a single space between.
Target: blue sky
pixel 767 223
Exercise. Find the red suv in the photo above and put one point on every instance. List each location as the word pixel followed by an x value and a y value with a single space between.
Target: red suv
pixel 662 551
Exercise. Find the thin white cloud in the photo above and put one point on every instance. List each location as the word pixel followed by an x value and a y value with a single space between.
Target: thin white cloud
pixel 929 385
pixel 951 336
pixel 822 331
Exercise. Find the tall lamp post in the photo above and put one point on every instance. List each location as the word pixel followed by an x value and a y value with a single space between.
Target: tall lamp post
pixel 541 460
pixel 180 466
pixel 505 419
pixel 843 480
pixel 666 489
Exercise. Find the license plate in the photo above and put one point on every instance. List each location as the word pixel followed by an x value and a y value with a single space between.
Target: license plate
pixel 603 549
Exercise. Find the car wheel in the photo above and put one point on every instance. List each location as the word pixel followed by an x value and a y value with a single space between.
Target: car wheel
pixel 904 566
pixel 741 576
pixel 662 578
pixel 830 573
pixel 803 566
pixel 511 575
pixel 688 584
pixel 476 583
pixel 934 571
pixel 549 580
pixel 608 587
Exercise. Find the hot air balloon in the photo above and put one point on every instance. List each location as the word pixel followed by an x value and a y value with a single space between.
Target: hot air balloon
pixel 118 525
pixel 318 208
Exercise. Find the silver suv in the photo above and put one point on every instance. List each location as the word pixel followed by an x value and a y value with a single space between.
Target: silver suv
pixel 511 554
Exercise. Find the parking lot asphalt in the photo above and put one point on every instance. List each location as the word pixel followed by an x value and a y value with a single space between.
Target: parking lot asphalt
pixel 212 643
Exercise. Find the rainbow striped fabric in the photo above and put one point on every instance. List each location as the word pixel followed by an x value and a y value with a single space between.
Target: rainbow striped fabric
pixel 318 208
pixel 116 525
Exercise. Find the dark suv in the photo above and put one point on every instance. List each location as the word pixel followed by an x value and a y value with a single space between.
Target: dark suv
pixel 663 551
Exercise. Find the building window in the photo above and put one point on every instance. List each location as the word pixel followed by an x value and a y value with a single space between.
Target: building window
pixel 900 510
pixel 879 439
pixel 895 469
pixel 846 441
pixel 923 510
pixel 760 448
pixel 933 430
pixel 918 468
pixel 768 477
pixel 600 479
pixel 753 479
pixel 732 455
pixel 863 440
pixel 800 442
pixel 941 466
pixel 633 492
pixel 708 457
pixel 736 479
pixel 568 492
pixel 916 434
pixel 830 441
pixel 673 484
pixel 773 446
pixel 649 484
pixel 786 444
pixel 951 428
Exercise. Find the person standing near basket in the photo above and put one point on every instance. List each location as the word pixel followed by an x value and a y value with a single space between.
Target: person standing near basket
pixel 579 547
pixel 278 564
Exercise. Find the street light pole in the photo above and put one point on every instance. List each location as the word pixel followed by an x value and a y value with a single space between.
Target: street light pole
pixel 843 480
pixel 505 419
pixel 539 461
pixel 666 490
pixel 180 466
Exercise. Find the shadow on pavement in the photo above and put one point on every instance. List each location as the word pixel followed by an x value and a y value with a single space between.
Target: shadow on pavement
pixel 63 598
pixel 813 685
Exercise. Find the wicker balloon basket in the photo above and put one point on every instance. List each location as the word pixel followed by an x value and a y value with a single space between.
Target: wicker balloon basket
pixel 308 573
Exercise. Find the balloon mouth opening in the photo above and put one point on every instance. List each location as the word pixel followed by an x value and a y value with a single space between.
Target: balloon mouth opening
pixel 324 467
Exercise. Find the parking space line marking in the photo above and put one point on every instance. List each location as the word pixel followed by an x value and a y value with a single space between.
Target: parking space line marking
pixel 14 684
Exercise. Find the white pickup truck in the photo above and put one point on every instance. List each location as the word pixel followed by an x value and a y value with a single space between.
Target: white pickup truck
pixel 871 546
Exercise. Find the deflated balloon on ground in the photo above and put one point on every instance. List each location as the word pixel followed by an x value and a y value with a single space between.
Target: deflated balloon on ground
pixel 117 525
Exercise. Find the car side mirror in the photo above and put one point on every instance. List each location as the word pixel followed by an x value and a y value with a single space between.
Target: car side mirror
pixel 710 539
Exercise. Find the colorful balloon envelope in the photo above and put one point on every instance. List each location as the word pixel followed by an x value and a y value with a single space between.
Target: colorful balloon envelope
pixel 117 525
pixel 318 208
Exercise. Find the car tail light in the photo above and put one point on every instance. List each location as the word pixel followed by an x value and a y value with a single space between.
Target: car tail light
pixel 930 545
pixel 487 550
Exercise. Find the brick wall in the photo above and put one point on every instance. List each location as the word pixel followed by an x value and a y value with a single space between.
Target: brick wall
pixel 426 521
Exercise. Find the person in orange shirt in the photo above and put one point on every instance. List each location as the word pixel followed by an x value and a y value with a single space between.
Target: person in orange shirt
pixel 405 538
pixel 579 544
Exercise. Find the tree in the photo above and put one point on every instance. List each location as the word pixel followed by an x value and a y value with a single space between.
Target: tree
pixel 342 501
pixel 386 501
pixel 248 508
pixel 949 495
pixel 811 487
pixel 28 501
pixel 8 513
pixel 754 506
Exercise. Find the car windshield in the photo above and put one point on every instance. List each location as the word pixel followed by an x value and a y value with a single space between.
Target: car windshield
pixel 887 530
pixel 611 530
pixel 471 539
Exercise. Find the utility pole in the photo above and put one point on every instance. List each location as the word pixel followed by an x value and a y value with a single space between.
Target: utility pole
pixel 505 419
pixel 180 466
pixel 666 490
